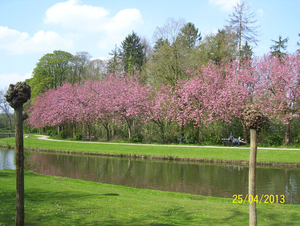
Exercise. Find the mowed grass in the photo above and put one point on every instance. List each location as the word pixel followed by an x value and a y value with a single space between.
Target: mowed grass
pixel 234 153
pixel 53 200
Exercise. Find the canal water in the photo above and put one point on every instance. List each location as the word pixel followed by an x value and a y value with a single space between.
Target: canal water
pixel 194 178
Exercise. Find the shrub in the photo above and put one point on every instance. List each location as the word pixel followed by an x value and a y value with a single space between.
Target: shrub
pixel 191 139
pixel 78 136
pixel 274 140
pixel 137 138
pixel 52 132
pixel 63 134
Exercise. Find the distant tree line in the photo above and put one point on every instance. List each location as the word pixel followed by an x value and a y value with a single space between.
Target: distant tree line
pixel 212 95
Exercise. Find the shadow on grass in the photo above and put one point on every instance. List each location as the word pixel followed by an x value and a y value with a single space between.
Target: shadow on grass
pixel 72 207
pixel 110 194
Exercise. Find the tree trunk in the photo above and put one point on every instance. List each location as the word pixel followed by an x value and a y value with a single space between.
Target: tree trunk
pixel 129 124
pixel 197 134
pixel 11 129
pixel 88 130
pixel 107 132
pixel 57 127
pixel 252 177
pixel 74 130
pixel 287 134
pixel 245 132
pixel 129 132
pixel 182 130
pixel 162 130
pixel 19 166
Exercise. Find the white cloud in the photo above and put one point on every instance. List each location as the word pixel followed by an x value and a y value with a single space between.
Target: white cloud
pixel 80 17
pixel 7 79
pixel 16 42
pixel 92 19
pixel 226 5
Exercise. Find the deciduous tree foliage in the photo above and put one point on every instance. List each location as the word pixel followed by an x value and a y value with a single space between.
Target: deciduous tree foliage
pixel 50 72
pixel 113 98
pixel 4 106
pixel 280 89
pixel 158 108
pixel 219 46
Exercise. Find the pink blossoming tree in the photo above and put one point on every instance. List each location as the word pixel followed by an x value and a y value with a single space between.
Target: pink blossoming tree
pixel 280 89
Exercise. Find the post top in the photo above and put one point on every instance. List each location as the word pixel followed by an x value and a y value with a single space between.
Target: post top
pixel 18 94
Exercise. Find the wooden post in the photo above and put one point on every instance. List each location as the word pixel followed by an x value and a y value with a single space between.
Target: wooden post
pixel 253 119
pixel 252 182
pixel 16 96
pixel 19 166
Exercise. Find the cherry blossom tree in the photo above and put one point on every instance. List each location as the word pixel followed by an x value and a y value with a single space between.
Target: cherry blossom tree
pixel 218 92
pixel 243 78
pixel 280 89
pixel 101 104
pixel 158 108
pixel 57 106
pixel 130 100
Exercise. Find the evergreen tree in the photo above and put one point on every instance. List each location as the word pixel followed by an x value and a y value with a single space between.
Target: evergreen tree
pixel 279 46
pixel 246 51
pixel 132 54
pixel 189 36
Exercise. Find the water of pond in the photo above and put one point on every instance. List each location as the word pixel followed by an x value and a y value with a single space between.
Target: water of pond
pixel 194 178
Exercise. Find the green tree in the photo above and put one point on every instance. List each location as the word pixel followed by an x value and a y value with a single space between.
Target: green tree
pixel 279 46
pixel 244 25
pixel 189 36
pixel 164 68
pixel 246 51
pixel 50 72
pixel 114 63
pixel 78 66
pixel 132 54
pixel 219 46
pixel 5 108
pixel 173 52
pixel 96 69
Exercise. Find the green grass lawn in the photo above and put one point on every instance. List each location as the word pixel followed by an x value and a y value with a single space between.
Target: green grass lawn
pixel 55 201
pixel 234 153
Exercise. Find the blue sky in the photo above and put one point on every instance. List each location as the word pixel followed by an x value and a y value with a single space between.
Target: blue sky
pixel 29 29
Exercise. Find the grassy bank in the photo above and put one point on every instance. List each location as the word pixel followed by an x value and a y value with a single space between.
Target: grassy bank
pixel 57 201
pixel 234 153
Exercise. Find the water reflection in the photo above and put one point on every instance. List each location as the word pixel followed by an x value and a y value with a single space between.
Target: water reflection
pixel 194 178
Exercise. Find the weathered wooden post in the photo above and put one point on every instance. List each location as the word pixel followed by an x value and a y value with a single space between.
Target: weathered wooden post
pixel 254 121
pixel 16 96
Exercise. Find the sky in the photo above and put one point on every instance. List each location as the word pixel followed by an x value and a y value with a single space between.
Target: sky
pixel 32 28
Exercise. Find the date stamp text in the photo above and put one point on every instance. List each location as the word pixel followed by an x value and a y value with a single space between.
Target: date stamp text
pixel 259 199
